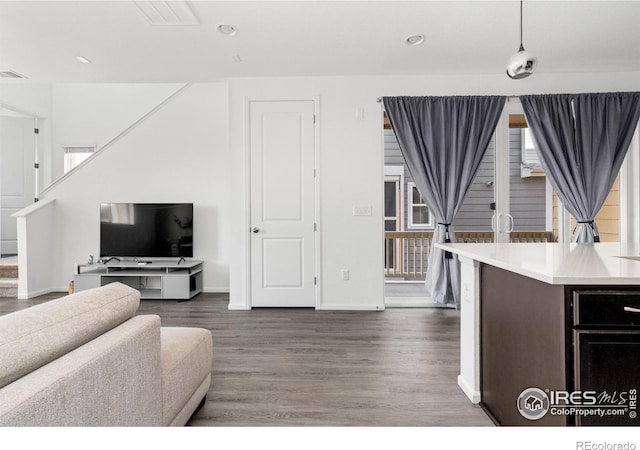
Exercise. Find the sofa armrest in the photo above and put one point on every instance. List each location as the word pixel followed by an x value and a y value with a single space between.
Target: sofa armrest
pixel 186 360
pixel 113 380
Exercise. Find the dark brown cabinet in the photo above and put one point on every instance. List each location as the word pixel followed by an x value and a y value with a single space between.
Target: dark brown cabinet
pixel 608 364
pixel 606 342
pixel 522 333
pixel 578 347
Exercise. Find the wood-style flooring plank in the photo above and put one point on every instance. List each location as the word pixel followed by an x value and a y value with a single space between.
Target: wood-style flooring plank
pixel 302 367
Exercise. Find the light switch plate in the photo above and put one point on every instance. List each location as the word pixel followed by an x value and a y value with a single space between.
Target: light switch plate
pixel 362 210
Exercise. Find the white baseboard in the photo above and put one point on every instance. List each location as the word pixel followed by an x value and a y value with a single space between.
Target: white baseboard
pixel 411 302
pixel 331 307
pixel 28 295
pixel 216 290
pixel 351 307
pixel 234 307
pixel 472 395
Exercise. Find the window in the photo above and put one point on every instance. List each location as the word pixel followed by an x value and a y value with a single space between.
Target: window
pixel 393 189
pixel 419 215
pixel 391 204
pixel 74 155
pixel 530 166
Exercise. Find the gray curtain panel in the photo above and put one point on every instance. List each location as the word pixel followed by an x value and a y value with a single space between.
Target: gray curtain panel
pixel 443 140
pixel 582 140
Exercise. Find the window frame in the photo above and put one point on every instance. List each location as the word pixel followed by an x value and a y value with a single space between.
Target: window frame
pixel 88 150
pixel 398 197
pixel 410 224
pixel 529 167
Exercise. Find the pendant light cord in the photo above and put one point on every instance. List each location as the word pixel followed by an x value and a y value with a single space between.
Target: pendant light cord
pixel 521 47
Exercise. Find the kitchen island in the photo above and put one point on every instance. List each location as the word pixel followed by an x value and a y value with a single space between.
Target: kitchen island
pixel 541 322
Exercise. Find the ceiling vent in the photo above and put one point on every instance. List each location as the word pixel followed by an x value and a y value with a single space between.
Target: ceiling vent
pixel 10 74
pixel 168 13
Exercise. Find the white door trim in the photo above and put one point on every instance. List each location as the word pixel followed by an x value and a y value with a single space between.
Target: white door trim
pixel 629 188
pixel 502 183
pixel 501 174
pixel 247 194
pixel 22 191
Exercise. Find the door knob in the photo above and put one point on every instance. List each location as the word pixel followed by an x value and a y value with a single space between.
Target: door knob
pixel 255 230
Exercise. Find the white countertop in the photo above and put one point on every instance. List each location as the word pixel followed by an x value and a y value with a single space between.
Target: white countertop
pixel 556 263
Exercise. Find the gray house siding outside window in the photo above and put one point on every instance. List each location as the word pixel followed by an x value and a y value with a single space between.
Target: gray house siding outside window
pixel 528 195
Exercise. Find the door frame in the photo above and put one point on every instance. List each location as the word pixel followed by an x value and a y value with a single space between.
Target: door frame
pixel 629 188
pixel 396 174
pixel 8 111
pixel 15 111
pixel 501 191
pixel 247 193
pixel 629 208
pixel 502 188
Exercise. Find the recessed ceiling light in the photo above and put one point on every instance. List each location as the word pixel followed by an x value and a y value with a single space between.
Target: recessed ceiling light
pixel 10 74
pixel 227 30
pixel 168 13
pixel 82 59
pixel 414 39
pixel 236 58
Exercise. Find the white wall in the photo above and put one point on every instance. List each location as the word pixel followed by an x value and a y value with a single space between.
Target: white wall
pixel 35 100
pixel 194 149
pixel 179 154
pixel 93 114
pixel 350 145
pixel 36 248
pixel 347 145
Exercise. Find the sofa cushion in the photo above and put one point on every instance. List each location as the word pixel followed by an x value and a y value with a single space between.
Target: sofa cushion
pixel 186 355
pixel 33 337
pixel 113 380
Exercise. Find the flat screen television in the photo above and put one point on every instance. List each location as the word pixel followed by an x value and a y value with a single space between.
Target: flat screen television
pixel 146 230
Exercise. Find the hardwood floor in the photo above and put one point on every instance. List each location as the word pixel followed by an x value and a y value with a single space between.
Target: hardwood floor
pixel 301 367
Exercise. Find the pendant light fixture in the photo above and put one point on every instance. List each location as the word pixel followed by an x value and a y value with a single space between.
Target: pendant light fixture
pixel 523 63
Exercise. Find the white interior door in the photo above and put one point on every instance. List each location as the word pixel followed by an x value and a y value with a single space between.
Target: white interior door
pixel 282 151
pixel 17 174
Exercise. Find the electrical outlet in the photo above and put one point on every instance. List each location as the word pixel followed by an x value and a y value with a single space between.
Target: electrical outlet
pixel 345 275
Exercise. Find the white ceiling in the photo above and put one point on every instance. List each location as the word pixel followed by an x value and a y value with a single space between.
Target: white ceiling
pixel 298 38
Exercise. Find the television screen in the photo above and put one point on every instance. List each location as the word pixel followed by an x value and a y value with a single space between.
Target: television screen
pixel 146 230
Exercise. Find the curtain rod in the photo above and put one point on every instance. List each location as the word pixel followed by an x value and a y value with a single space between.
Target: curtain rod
pixel 379 99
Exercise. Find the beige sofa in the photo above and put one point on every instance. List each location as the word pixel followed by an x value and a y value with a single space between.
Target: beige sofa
pixel 87 360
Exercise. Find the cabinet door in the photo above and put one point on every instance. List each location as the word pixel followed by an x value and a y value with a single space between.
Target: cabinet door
pixel 86 281
pixel 607 362
pixel 175 287
pixel 606 309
